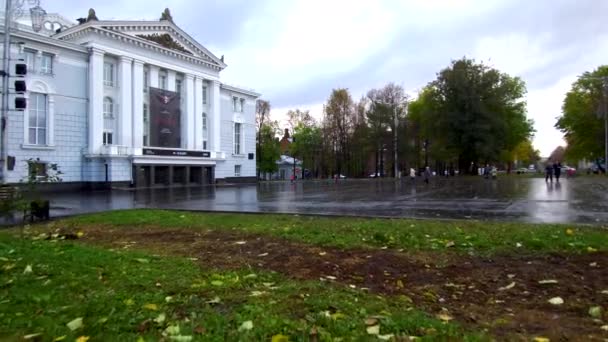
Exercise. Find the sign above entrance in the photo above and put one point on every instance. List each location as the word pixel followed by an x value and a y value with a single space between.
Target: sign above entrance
pixel 175 153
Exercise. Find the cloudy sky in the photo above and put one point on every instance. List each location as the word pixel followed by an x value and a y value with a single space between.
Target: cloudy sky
pixel 294 52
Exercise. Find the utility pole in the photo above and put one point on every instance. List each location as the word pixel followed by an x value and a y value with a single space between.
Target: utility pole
pixel 605 100
pixel 395 166
pixel 5 68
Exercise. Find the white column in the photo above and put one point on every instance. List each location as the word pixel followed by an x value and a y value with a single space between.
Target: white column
pixel 216 115
pixel 126 105
pixel 188 123
pixel 154 76
pixel 171 80
pixel 138 106
pixel 198 113
pixel 95 100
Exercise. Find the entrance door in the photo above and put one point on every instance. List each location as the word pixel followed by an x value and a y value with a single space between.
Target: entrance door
pixel 208 175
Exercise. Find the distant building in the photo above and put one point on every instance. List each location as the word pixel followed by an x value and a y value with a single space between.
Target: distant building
pixel 285 142
pixel 286 168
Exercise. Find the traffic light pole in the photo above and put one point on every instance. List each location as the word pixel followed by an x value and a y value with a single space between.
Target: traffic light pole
pixel 5 80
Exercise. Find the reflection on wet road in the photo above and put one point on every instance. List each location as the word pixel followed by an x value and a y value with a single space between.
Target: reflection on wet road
pixel 580 200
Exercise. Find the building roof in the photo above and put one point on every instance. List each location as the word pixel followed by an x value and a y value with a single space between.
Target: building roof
pixel 287 160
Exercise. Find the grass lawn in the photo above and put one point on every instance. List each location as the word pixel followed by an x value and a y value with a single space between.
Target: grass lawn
pixel 147 275
pixel 473 237
pixel 125 296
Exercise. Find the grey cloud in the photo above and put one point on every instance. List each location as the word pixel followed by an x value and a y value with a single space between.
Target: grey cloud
pixel 572 26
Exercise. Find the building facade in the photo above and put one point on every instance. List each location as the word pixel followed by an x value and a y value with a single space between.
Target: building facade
pixel 130 103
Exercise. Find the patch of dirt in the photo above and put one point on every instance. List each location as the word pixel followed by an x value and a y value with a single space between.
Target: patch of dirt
pixel 501 294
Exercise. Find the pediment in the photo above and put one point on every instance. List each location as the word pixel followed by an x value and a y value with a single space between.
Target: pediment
pixel 162 33
pixel 165 34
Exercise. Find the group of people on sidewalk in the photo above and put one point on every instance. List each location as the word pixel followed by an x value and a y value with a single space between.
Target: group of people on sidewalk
pixel 553 170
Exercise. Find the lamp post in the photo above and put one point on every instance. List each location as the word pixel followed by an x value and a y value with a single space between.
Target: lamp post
pixel 395 105
pixel 12 11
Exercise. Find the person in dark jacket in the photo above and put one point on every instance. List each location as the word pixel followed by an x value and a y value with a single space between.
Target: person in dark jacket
pixel 557 170
pixel 549 173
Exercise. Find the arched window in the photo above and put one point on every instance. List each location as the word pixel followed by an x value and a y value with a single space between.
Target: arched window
pixel 108 107
pixel 205 134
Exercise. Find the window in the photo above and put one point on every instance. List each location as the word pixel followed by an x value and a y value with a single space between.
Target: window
pixel 204 94
pixel 237 138
pixel 30 60
pixel 146 125
pixel 37 169
pixel 108 74
pixel 178 86
pixel 237 170
pixel 37 119
pixel 108 107
pixel 107 137
pixel 145 81
pixel 205 137
pixel 235 100
pixel 162 81
pixel 242 105
pixel 46 64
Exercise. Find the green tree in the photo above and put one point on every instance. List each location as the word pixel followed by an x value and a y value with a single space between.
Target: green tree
pixel 476 112
pixel 385 116
pixel 337 126
pixel 525 154
pixel 262 116
pixel 307 140
pixel 582 115
pixel 269 150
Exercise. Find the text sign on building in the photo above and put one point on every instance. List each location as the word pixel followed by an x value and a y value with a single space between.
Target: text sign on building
pixel 175 153
pixel 164 118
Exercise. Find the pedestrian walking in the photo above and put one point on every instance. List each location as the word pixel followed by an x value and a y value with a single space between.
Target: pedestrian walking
pixel 494 172
pixel 549 173
pixel 412 174
pixel 486 172
pixel 427 174
pixel 557 170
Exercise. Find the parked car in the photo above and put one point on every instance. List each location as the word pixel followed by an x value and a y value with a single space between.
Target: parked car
pixel 595 168
pixel 522 170
pixel 568 171
pixel 375 175
pixel 340 176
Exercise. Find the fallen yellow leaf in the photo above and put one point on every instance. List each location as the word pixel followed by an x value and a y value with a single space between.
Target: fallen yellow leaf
pixel 569 232
pixel 60 338
pixel 556 301
pixel 82 339
pixel 129 302
pixel 337 316
pixel 591 249
pixel 151 306
pixel 280 338
pixel 445 317
pixel 247 325
pixel 373 330
pixel 541 339
pixel 75 324
pixel 80 234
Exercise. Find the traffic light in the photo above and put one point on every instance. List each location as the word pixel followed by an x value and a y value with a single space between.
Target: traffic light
pixel 20 88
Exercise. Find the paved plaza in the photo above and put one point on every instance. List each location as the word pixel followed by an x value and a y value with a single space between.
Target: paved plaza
pixel 577 200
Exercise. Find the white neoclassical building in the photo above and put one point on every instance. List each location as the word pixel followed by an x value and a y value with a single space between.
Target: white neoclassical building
pixel 137 103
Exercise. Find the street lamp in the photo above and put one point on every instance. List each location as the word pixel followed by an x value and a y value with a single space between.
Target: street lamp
pixel 12 11
pixel 402 101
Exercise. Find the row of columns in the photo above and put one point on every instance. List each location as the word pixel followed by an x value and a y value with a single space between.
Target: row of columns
pixel 130 122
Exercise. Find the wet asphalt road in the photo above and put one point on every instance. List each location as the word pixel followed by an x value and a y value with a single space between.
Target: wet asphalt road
pixel 577 200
